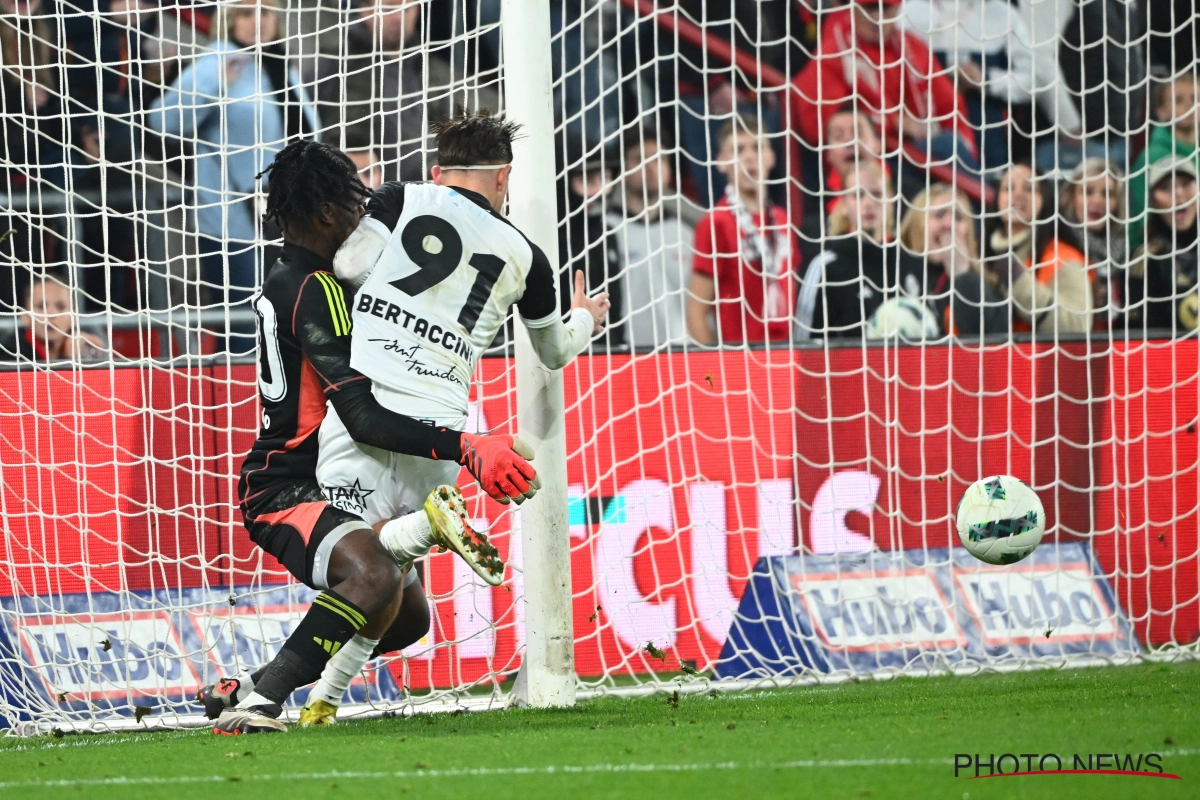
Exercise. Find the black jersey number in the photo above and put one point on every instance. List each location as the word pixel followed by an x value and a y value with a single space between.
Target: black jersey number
pixel 435 247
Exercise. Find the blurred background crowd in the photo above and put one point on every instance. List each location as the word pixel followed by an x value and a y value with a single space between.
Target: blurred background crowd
pixel 732 172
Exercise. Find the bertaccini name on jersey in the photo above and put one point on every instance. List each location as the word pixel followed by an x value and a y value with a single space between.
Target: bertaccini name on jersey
pixel 430 332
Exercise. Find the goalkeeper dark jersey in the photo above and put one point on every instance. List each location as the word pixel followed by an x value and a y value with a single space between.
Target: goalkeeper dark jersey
pixel 304 360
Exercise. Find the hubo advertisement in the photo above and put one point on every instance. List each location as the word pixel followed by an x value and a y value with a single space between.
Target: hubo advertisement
pixel 931 609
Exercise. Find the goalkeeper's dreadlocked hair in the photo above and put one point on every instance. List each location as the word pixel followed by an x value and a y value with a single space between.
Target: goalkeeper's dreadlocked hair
pixel 305 176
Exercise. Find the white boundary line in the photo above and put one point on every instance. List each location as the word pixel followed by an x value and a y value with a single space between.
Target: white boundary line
pixel 478 772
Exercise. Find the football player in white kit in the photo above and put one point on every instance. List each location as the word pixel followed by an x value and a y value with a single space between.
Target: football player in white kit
pixel 434 269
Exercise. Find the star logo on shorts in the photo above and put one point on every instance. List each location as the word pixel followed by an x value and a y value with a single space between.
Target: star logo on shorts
pixel 348 498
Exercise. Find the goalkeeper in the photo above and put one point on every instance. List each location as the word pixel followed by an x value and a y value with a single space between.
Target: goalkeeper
pixel 317 199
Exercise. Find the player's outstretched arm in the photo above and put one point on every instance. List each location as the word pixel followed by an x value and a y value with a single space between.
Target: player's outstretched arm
pixel 556 342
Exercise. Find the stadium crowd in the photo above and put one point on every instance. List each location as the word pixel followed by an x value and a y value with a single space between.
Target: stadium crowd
pixel 935 153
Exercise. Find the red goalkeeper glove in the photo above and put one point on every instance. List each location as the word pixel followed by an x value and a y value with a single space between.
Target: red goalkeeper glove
pixel 501 465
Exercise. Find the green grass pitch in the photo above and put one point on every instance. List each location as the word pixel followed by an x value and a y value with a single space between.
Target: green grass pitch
pixel 892 739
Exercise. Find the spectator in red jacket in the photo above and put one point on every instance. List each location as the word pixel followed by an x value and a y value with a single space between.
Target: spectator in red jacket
pixel 866 62
pixel 746 258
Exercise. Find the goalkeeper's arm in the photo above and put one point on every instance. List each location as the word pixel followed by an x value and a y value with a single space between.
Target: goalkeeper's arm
pixel 322 325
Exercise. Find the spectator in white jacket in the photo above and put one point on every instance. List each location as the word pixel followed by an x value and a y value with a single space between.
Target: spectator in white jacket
pixel 655 242
pixel 988 45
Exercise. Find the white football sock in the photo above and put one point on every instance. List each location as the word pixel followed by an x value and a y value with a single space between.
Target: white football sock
pixel 255 699
pixel 245 686
pixel 407 538
pixel 341 669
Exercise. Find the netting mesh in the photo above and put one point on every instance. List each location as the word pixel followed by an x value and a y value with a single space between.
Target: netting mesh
pixel 859 255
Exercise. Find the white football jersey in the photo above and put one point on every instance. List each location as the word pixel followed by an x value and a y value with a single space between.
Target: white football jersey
pixel 434 298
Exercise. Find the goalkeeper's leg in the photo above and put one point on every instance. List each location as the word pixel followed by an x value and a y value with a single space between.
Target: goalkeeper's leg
pixel 446 519
pixel 408 625
pixel 328 549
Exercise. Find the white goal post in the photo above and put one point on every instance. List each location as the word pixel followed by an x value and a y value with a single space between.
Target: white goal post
pixel 547 675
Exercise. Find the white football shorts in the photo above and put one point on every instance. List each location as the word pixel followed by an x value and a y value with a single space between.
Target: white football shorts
pixel 377 485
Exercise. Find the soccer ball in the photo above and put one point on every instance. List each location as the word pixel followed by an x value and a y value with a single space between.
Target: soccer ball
pixel 1000 519
pixel 905 318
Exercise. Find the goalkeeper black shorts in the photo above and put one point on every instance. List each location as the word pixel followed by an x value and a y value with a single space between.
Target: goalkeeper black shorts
pixel 297 526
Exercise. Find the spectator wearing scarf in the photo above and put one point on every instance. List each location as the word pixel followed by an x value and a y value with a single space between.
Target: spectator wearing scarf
pixel 746 258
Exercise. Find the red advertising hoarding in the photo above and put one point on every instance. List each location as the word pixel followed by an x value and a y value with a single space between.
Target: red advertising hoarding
pixel 684 469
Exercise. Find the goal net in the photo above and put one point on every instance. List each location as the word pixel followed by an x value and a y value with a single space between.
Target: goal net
pixel 859 256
